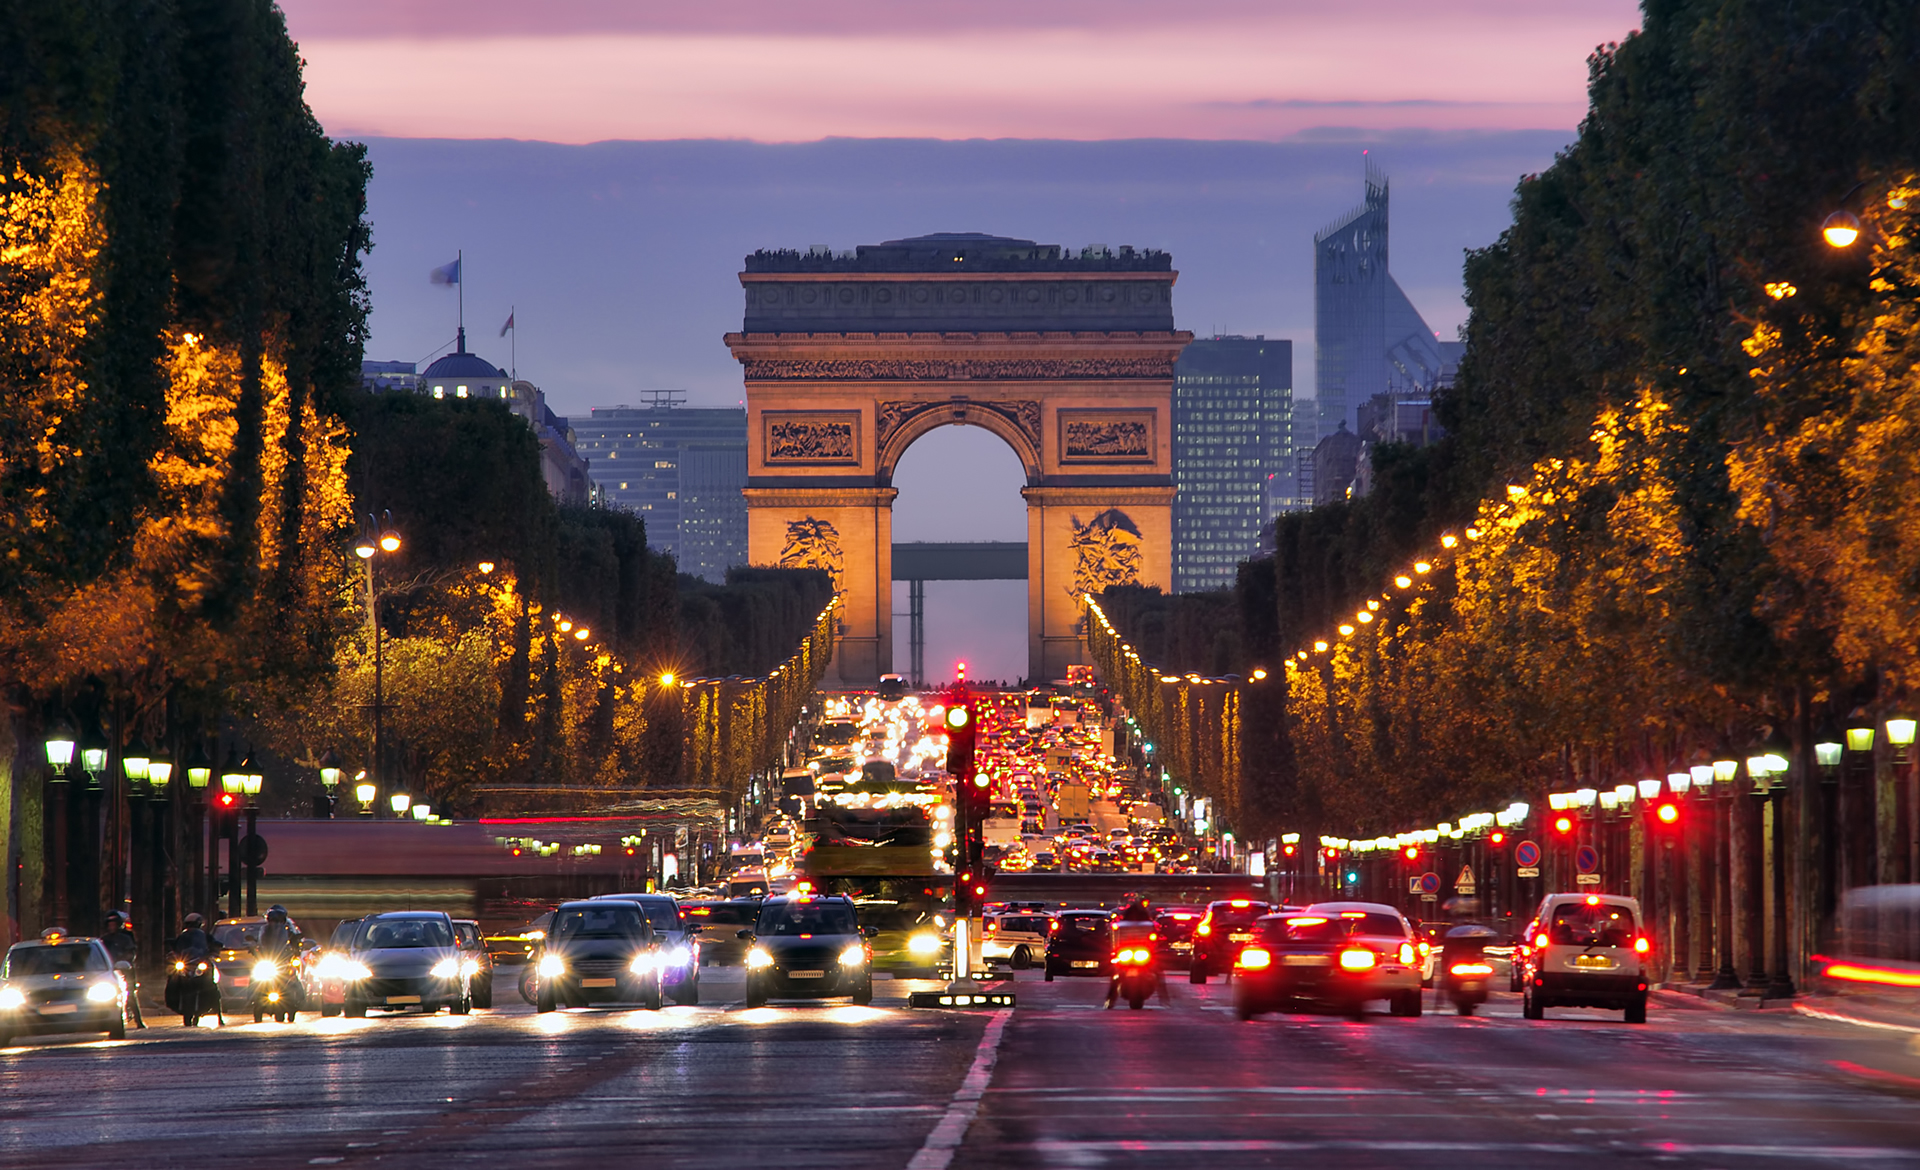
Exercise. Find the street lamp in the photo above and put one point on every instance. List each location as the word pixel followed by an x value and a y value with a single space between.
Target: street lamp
pixel 199 768
pixel 1900 729
pixel 93 757
pixel 377 537
pixel 1860 731
pixel 134 762
pixel 400 801
pixel 422 812
pixel 364 792
pixel 330 770
pixel 1827 750
pixel 1841 229
pixel 60 743
pixel 159 774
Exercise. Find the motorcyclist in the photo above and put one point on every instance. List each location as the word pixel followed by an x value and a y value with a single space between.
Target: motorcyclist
pixel 120 942
pixel 1137 908
pixel 194 946
pixel 280 942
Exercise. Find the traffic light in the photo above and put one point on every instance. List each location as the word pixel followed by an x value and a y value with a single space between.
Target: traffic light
pixel 1668 813
pixel 1496 838
pixel 1413 853
pixel 960 736
pixel 1563 826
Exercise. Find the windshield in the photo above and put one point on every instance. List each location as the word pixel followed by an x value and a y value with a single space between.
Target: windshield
pixel 68 959
pixel 807 917
pixel 662 913
pixel 613 920
pixel 394 934
pixel 836 734
pixel 726 914
pixel 1580 925
pixel 1084 923
pixel 238 936
pixel 1227 914
pixel 343 933
pixel 1029 925
pixel 1314 928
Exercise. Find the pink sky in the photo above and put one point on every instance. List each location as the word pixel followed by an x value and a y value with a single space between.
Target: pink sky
pixel 780 71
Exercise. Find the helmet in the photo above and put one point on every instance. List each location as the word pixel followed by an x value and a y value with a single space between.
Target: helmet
pixel 115 918
pixel 276 913
pixel 194 920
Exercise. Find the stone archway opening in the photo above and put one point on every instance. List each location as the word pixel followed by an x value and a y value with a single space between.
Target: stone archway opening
pixel 959 557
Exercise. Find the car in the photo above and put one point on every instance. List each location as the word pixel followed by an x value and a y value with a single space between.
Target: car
pixel 332 967
pixel 1077 943
pixel 1587 951
pixel 1045 862
pixel 600 950
pixel 808 946
pixel 62 983
pixel 720 923
pixel 466 932
pixel 1176 924
pixel 1015 938
pixel 1218 937
pixel 679 940
pixel 1341 955
pixel 405 959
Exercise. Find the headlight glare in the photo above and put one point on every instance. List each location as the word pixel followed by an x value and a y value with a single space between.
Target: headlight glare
pixel 103 992
pixel 853 956
pixel 924 944
pixel 758 959
pixel 266 969
pixel 11 998
pixel 642 963
pixel 446 969
pixel 552 966
pixel 469 966
pixel 678 957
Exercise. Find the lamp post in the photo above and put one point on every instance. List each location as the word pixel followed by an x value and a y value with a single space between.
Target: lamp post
pixel 1900 733
pixel 1774 753
pixel 233 782
pixel 330 771
pixel 199 894
pixel 1856 774
pixel 252 844
pixel 377 538
pixel 60 745
pixel 1725 772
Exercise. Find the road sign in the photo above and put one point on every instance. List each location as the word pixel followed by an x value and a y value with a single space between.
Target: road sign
pixel 1587 879
pixel 253 850
pixel 1526 853
pixel 1429 882
pixel 1528 871
pixel 1464 884
pixel 1586 859
pixel 1429 897
pixel 1413 885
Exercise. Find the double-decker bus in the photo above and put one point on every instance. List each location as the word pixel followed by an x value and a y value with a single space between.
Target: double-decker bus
pixel 886 856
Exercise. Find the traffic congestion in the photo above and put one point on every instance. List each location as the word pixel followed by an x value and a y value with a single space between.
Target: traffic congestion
pixel 1018 850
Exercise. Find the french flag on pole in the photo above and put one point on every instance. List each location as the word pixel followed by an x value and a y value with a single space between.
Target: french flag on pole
pixel 446 274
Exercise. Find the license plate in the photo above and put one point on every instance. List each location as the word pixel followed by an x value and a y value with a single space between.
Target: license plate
pixel 59 1009
pixel 1086 963
pixel 239 980
pixel 1470 985
pixel 599 983
pixel 1306 961
pixel 1240 937
pixel 403 999
pixel 806 974
pixel 1593 962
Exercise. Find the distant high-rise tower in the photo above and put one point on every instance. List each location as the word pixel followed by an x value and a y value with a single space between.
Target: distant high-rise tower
pixel 1233 454
pixel 681 469
pixel 1368 338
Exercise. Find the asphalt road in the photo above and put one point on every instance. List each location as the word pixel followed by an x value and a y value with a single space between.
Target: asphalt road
pixel 1058 1082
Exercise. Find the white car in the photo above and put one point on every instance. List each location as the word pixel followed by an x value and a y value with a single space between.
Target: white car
pixel 1015 938
pixel 1587 950
pixel 60 983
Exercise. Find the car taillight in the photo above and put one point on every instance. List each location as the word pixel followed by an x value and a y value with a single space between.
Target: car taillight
pixel 1540 940
pixel 1642 945
pixel 1357 960
pixel 1203 928
pixel 1406 954
pixel 1425 947
pixel 1254 959
pixel 1470 969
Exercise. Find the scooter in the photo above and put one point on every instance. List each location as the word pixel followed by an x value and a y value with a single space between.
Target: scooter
pixel 1135 976
pixel 275 990
pixel 1464 965
pixel 193 985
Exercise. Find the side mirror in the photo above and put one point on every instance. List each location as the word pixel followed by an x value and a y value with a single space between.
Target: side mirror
pixel 744 935
pixel 870 931
pixel 123 965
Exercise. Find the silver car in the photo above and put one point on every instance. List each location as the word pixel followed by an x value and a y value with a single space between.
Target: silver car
pixel 62 984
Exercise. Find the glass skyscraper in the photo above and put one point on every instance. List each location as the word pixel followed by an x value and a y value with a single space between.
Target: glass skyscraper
pixel 1368 338
pixel 1233 454
pixel 681 469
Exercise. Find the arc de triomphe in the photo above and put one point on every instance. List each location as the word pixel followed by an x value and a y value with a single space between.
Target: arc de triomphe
pixel 849 358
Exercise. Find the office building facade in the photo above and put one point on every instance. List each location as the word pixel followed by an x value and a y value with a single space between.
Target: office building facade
pixel 1234 465
pixel 681 469
pixel 1369 340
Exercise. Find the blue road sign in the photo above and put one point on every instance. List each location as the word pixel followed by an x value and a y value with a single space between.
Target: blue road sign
pixel 1429 883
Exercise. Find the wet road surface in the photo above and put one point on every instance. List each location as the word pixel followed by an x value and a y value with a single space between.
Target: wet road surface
pixel 1057 1083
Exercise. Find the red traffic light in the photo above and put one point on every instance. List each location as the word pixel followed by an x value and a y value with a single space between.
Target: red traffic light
pixel 227 800
pixel 1668 813
pixel 1563 825
pixel 1413 853
pixel 1497 837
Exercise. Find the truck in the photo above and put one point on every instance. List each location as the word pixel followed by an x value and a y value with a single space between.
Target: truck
pixel 1071 799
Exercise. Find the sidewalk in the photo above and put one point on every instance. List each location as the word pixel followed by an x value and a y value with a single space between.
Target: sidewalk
pixel 1886 1012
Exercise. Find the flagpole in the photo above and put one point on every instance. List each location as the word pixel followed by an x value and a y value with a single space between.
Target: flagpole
pixel 460 271
pixel 513 359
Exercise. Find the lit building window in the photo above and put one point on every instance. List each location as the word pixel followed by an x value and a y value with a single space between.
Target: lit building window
pixel 439 391
pixel 461 391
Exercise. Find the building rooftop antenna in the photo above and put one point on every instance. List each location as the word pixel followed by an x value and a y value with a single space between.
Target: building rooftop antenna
pixel 666 399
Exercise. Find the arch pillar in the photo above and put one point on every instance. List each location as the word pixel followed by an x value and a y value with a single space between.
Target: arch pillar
pixel 1085 538
pixel 848 531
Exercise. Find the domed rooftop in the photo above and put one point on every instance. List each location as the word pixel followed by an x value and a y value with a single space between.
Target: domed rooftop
pixel 461 364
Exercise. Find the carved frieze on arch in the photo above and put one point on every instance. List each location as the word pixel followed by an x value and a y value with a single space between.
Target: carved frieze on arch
pixel 897 424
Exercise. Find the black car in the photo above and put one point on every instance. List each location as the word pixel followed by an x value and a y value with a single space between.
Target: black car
pixel 808 947
pixel 599 951
pixel 406 959
pixel 1218 939
pixel 1080 943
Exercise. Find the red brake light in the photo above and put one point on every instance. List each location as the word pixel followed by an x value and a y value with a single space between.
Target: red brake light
pixel 1642 945
pixel 1593 899
pixel 1241 903
pixel 1254 959
pixel 1203 928
pixel 1539 940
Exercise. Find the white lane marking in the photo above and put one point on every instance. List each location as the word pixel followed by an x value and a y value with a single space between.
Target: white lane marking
pixel 1075 1152
pixel 936 1153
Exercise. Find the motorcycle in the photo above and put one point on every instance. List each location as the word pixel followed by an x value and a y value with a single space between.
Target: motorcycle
pixel 193 987
pixel 1135 965
pixel 1464 968
pixel 275 990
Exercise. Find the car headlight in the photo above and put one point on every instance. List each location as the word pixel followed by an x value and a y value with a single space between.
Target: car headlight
pixel 350 969
pixel 677 957
pixel 266 969
pixel 853 956
pixel 446 969
pixel 103 992
pixel 469 966
pixel 924 944
pixel 642 963
pixel 552 966
pixel 11 998
pixel 757 959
